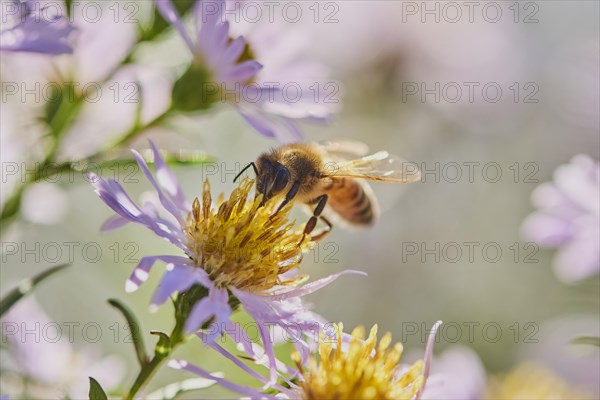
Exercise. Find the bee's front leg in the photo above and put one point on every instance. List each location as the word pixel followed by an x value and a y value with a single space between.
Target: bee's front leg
pixel 288 197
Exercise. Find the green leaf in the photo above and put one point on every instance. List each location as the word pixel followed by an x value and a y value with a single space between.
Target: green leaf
pixel 194 90
pixel 12 205
pixel 138 340
pixel 173 390
pixel 163 347
pixel 96 391
pixel 25 287
pixel 589 340
pixel 185 301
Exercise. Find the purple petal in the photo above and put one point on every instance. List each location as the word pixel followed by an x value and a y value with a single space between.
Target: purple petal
pixel 207 15
pixel 234 50
pixel 141 273
pixel 237 362
pixel 547 229
pixel 177 278
pixel 292 128
pixel 167 180
pixel 218 45
pixel 201 313
pixel 579 181
pixel 37 35
pixel 246 391
pixel 258 307
pixel 248 370
pixel 428 356
pixel 170 14
pixel 114 196
pixel 313 286
pixel 243 341
pixel 215 304
pixel 260 124
pixel 272 126
pixel 209 12
pixel 302 108
pixel 114 222
pixel 269 351
pixel 166 202
pixel 580 258
pixel 243 71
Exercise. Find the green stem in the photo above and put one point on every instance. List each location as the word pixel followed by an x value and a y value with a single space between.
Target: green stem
pixel 151 367
pixel 145 374
pixel 134 131
pixel 58 124
pixel 45 170
pixel 48 167
pixel 166 344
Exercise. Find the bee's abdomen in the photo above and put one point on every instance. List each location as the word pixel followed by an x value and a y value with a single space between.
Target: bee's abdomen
pixel 352 200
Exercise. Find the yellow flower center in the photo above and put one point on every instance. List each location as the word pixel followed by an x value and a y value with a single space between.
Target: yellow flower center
pixel 243 245
pixel 531 381
pixel 367 370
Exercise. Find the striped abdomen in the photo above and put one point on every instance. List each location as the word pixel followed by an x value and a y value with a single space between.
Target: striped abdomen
pixel 353 200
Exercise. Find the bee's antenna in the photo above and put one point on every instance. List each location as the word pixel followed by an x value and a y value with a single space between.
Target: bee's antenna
pixel 244 170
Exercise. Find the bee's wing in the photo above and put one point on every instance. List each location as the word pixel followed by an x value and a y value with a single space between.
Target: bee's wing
pixel 381 166
pixel 343 148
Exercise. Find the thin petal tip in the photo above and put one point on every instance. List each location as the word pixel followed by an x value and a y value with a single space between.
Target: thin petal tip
pixel 177 364
pixel 131 286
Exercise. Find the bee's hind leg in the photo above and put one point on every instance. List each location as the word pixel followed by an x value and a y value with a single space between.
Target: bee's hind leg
pixel 323 232
pixel 312 222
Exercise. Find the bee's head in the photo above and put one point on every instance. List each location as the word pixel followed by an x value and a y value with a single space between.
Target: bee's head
pixel 273 177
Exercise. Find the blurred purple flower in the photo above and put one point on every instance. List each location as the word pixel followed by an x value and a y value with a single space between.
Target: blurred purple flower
pixel 37 351
pixel 216 245
pixel 555 351
pixel 456 374
pixel 235 72
pixel 35 31
pixel 568 218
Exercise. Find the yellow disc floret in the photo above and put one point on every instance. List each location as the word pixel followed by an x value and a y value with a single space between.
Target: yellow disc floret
pixel 241 244
pixel 531 381
pixel 365 370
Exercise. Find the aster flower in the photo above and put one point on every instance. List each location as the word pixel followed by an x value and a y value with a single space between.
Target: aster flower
pixel 44 368
pixel 457 373
pixel 239 252
pixel 227 67
pixel 347 367
pixel 35 32
pixel 568 218
pixel 532 381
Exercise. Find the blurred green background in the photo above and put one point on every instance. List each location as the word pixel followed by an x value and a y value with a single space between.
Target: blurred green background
pixel 376 55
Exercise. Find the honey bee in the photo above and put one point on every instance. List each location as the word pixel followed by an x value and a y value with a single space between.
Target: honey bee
pixel 331 173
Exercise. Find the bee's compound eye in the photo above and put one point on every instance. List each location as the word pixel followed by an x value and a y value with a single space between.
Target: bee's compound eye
pixel 282 178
